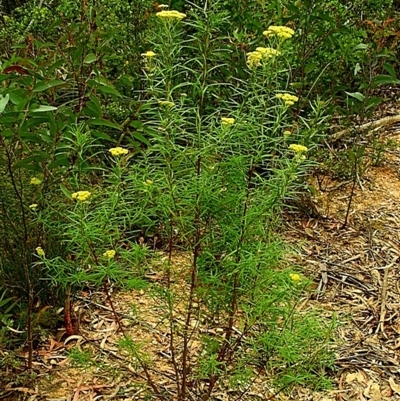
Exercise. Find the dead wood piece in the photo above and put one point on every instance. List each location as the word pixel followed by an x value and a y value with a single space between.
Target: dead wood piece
pixel 370 125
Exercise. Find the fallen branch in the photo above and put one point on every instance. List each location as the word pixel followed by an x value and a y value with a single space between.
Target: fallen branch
pixel 370 126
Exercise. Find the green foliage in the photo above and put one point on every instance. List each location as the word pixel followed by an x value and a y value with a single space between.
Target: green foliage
pixel 298 354
pixel 84 359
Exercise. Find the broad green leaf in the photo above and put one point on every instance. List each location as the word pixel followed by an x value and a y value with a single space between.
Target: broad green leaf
pixel 28 166
pixel 109 90
pixel 3 102
pixel 60 161
pixel 19 97
pixel 390 69
pixel 361 46
pixel 65 191
pixel 93 107
pixel 357 95
pixel 136 124
pixel 104 123
pixel 141 138
pixel 42 86
pixel 7 133
pixel 90 58
pixel 33 158
pixel 37 120
pixel 384 80
pixel 101 135
pixel 310 67
pixel 373 101
pixel 43 108
pixel 41 45
pixel 357 69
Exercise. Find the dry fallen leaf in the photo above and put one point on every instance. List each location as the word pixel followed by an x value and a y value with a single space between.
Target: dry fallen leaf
pixel 373 391
pixel 355 376
pixel 395 387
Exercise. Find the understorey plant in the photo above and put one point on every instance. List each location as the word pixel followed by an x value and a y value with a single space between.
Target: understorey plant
pixel 220 171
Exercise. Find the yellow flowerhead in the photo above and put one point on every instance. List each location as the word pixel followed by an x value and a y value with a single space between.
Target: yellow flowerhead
pixel 109 254
pixel 298 148
pixel 254 59
pixel 295 277
pixel 33 206
pixel 81 196
pixel 118 151
pixel 163 6
pixel 268 52
pixel 40 251
pixel 287 98
pixel 148 54
pixel 166 103
pixel 148 183
pixel 35 181
pixel 227 121
pixel 282 32
pixel 170 14
pixel 287 133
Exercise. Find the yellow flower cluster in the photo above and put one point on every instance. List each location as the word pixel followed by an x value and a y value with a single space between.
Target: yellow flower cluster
pixel 148 183
pixel 295 277
pixel 298 148
pixel 40 251
pixel 254 59
pixel 109 254
pixel 81 196
pixel 148 54
pixel 170 14
pixel 287 98
pixel 268 52
pixel 163 6
pixel 118 151
pixel 166 103
pixel 283 32
pixel 35 181
pixel 33 206
pixel 227 121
